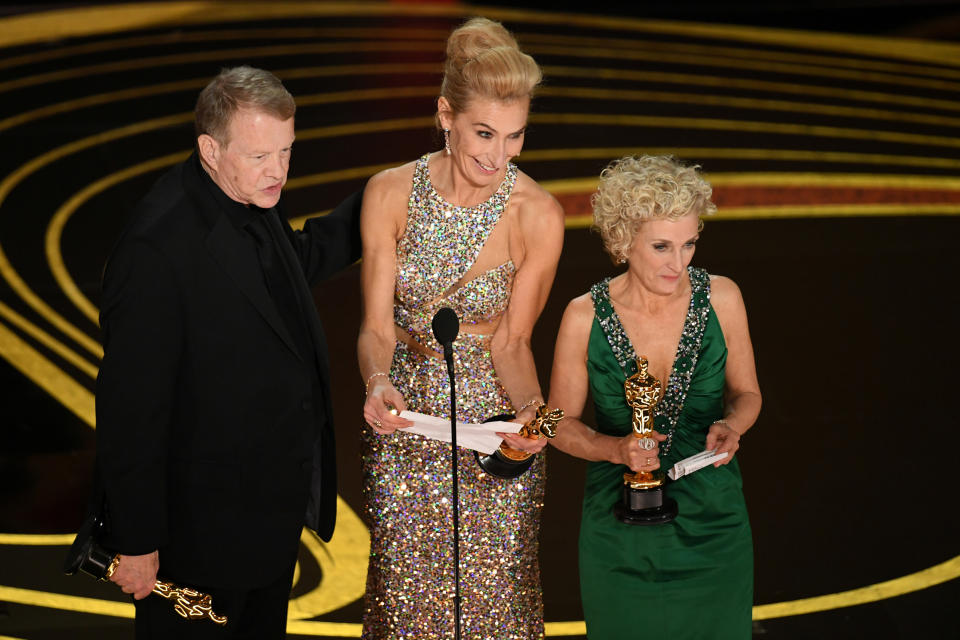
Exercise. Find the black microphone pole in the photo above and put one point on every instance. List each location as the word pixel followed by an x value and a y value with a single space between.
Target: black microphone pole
pixel 446 326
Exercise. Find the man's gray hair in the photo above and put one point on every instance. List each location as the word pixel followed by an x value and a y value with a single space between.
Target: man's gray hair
pixel 240 88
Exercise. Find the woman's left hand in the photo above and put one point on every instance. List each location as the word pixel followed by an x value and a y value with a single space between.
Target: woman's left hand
pixel 530 445
pixel 721 438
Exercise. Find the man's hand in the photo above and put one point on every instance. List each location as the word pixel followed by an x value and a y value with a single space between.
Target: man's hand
pixel 137 574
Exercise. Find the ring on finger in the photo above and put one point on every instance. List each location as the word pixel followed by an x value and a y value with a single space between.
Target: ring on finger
pixel 378 424
pixel 647 444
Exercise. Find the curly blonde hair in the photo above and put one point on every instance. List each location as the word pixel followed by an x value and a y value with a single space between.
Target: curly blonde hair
pixel 635 189
pixel 484 61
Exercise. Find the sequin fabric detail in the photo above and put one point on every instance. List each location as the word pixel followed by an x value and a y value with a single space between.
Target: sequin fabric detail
pixel 406 478
pixel 439 245
pixel 685 361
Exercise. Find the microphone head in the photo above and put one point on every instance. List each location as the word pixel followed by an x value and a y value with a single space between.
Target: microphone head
pixel 446 326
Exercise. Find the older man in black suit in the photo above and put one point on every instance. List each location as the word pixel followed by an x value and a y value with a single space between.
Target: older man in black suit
pixel 214 435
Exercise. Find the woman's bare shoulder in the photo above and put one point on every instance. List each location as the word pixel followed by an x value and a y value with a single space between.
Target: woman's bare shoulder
pixel 535 205
pixel 391 180
pixel 580 310
pixel 725 297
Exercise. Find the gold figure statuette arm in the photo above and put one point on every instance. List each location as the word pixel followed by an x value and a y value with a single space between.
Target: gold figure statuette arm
pixel 543 425
pixel 189 603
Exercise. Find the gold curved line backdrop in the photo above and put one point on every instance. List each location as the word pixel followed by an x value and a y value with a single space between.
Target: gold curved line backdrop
pixel 345 557
pixel 408 33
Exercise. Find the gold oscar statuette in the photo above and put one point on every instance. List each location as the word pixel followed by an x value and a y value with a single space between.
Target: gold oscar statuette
pixel 643 393
pixel 643 501
pixel 507 462
pixel 188 603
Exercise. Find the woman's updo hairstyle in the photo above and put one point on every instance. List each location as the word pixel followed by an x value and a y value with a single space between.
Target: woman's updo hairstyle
pixel 484 61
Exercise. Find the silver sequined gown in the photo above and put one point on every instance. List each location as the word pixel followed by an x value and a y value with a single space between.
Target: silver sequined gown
pixel 406 478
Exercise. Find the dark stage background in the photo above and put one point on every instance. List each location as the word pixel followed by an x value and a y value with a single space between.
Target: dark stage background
pixel 829 130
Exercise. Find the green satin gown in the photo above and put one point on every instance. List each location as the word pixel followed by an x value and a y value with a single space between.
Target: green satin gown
pixel 692 577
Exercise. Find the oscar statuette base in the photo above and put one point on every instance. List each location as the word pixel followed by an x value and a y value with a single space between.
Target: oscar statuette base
pixel 498 465
pixel 645 506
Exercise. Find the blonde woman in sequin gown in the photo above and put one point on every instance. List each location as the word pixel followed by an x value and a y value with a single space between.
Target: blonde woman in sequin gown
pixel 462 228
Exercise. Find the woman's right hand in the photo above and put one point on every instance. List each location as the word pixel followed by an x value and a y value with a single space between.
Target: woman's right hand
pixel 629 452
pixel 383 406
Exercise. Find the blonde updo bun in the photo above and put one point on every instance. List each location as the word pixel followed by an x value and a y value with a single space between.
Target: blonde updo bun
pixel 484 61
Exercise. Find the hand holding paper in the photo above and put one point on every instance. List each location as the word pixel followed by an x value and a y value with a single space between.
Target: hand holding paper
pixel 478 437
pixel 694 463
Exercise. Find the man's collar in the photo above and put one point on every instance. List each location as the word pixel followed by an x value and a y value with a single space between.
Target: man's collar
pixel 239 214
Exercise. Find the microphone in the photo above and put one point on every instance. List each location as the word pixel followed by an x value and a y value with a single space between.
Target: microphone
pixel 446 326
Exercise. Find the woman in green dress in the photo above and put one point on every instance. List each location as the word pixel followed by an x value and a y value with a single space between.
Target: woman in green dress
pixel 691 577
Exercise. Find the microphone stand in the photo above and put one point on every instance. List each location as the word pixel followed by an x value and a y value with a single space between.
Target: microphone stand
pixel 448 356
pixel 446 326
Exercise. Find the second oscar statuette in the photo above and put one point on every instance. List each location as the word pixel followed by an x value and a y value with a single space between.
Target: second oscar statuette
pixel 507 462
pixel 643 501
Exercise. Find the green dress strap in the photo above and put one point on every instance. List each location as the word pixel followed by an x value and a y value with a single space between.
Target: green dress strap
pixel 667 413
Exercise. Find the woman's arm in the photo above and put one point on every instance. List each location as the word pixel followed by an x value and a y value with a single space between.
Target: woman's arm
pixel 541 226
pixel 568 391
pixel 742 398
pixel 381 225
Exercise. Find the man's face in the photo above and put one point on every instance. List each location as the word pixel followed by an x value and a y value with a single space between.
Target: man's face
pixel 252 167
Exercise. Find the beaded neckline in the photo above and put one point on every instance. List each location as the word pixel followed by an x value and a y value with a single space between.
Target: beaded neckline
pixel 688 349
pixel 500 196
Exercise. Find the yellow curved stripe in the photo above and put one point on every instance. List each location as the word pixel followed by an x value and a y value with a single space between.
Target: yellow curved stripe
pixel 46 375
pixel 37 539
pixel 724 124
pixel 398 124
pixel 923 579
pixel 111 97
pixel 770 178
pixel 635 52
pixel 12 180
pixel 72 291
pixel 550 90
pixel 701 49
pixel 55 227
pixel 216 56
pixel 935 575
pixel 440 35
pixel 180 38
pixel 884 47
pixel 750 84
pixel 47 340
pixel 54 232
pixel 785 155
pixel 759 63
pixel 65 602
pixel 343 565
pixel 756 104
pixel 810 211
pixel 64 23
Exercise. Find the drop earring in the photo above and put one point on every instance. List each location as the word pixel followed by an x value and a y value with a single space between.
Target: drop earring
pixel 446 140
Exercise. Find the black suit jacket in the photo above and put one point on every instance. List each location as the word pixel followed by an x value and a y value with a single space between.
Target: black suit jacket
pixel 214 432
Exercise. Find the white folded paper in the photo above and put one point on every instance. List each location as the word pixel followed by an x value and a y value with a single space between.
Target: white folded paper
pixel 694 463
pixel 479 437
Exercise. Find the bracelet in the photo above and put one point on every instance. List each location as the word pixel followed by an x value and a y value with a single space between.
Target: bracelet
pixel 722 421
pixel 366 385
pixel 535 401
